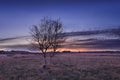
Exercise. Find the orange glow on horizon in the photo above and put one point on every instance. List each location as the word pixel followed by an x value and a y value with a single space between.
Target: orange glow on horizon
pixel 81 49
pixel 2 49
pixel 73 49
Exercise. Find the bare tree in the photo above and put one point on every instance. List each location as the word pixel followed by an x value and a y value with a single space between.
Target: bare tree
pixel 41 36
pixel 47 35
pixel 57 37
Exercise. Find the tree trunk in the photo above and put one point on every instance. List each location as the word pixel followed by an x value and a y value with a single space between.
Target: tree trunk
pixel 50 59
pixel 45 61
pixel 54 52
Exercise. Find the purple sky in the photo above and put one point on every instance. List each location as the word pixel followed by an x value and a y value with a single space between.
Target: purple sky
pixel 17 16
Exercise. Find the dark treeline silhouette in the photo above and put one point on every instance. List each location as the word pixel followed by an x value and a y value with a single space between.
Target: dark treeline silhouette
pixel 63 52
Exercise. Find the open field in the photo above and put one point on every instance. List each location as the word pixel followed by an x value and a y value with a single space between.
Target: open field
pixel 69 66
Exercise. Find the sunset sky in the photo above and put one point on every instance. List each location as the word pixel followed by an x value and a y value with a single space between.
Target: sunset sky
pixel 89 24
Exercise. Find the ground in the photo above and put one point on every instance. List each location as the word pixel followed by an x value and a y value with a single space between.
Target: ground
pixel 65 66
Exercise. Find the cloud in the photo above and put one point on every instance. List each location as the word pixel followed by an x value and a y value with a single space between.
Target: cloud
pixel 112 32
pixel 16 46
pixel 20 42
pixel 115 31
pixel 86 40
pixel 12 38
pixel 97 44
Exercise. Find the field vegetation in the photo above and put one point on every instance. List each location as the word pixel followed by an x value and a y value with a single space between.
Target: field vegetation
pixel 65 66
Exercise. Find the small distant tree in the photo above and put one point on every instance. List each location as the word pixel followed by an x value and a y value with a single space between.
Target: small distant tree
pixel 47 35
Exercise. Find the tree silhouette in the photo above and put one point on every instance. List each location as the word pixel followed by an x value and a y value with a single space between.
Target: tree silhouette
pixel 47 35
pixel 57 36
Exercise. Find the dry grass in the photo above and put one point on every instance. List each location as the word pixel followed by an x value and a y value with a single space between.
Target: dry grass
pixel 64 67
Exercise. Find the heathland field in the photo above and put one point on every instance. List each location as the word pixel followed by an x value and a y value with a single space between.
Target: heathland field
pixel 64 66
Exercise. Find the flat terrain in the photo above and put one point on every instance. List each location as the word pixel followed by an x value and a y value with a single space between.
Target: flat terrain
pixel 65 66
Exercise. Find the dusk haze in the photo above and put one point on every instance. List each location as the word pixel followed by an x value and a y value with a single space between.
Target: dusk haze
pixel 78 16
pixel 59 39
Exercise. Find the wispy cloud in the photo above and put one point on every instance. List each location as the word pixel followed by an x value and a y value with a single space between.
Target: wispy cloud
pixel 113 32
pixel 12 38
pixel 97 44
pixel 21 42
pixel 111 39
